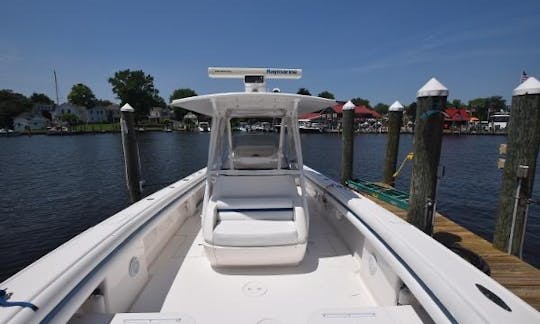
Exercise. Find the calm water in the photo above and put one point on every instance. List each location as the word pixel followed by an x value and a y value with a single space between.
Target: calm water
pixel 52 188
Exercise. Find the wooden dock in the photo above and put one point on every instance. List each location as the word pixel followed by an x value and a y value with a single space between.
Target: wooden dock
pixel 516 275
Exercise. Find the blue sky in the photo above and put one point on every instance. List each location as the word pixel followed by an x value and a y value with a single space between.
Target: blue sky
pixel 379 50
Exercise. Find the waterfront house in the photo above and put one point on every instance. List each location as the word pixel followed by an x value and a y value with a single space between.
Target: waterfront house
pixel 160 114
pixel 40 108
pixel 312 117
pixel 97 114
pixel 332 116
pixel 456 119
pixel 190 116
pixel 113 113
pixel 67 108
pixel 29 121
pixel 361 113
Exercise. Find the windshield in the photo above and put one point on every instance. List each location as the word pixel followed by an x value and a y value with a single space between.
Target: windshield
pixel 254 144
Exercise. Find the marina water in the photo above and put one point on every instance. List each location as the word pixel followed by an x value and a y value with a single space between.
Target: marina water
pixel 52 188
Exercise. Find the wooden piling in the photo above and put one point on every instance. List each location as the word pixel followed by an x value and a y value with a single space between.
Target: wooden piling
pixel 395 120
pixel 428 131
pixel 131 152
pixel 347 140
pixel 519 167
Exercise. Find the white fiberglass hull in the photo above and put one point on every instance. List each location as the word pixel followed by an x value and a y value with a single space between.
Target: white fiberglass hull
pixel 363 264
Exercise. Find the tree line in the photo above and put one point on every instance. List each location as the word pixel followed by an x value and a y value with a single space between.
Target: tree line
pixel 137 88
pixel 133 87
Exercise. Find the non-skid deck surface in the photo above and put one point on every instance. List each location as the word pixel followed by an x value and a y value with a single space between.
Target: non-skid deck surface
pixel 516 275
pixel 326 279
pixel 165 268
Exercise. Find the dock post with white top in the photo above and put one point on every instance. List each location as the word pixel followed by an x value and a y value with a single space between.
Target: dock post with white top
pixel 131 152
pixel 428 132
pixel 519 167
pixel 347 142
pixel 395 120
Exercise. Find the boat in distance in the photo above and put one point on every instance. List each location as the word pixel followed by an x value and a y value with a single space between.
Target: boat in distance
pixel 256 237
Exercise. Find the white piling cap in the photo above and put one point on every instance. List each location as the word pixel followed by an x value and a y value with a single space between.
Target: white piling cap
pixel 348 106
pixel 530 86
pixel 396 106
pixel 127 108
pixel 433 88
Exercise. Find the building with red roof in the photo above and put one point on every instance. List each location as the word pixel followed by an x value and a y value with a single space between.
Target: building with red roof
pixel 361 112
pixel 314 117
pixel 331 116
pixel 456 118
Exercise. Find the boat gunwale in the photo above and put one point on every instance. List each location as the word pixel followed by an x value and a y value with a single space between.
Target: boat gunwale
pixel 409 269
pixel 517 304
pixel 117 249
pixel 111 246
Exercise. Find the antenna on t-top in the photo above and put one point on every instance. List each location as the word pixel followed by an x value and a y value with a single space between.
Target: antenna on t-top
pixel 254 78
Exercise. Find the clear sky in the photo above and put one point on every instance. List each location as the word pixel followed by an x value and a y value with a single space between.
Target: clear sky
pixel 379 50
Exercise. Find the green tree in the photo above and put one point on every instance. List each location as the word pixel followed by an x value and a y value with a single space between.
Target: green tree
pixel 182 93
pixel 180 112
pixel 456 103
pixel 478 107
pixel 496 103
pixel 159 102
pixel 137 89
pixel 411 111
pixel 360 102
pixel 381 108
pixel 483 107
pixel 103 102
pixel 41 98
pixel 11 105
pixel 71 119
pixel 82 95
pixel 326 94
pixel 303 91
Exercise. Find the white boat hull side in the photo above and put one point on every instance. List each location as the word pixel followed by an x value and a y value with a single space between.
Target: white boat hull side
pixel 100 257
pixel 443 283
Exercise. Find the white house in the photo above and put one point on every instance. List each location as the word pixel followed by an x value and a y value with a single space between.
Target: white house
pixel 41 107
pixel 159 114
pixel 67 108
pixel 97 114
pixel 29 121
pixel 113 113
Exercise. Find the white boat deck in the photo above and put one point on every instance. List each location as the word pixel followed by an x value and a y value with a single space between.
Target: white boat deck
pixel 327 280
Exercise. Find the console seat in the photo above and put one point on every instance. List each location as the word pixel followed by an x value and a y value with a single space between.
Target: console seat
pixel 255 220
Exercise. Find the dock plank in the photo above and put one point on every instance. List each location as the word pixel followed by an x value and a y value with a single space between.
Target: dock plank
pixel 516 275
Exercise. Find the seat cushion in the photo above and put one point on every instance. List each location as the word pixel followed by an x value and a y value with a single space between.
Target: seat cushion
pixel 254 202
pixel 255 233
pixel 277 214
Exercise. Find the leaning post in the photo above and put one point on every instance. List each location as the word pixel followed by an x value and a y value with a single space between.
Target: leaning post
pixel 428 131
pixel 395 120
pixel 131 152
pixel 347 140
pixel 519 167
